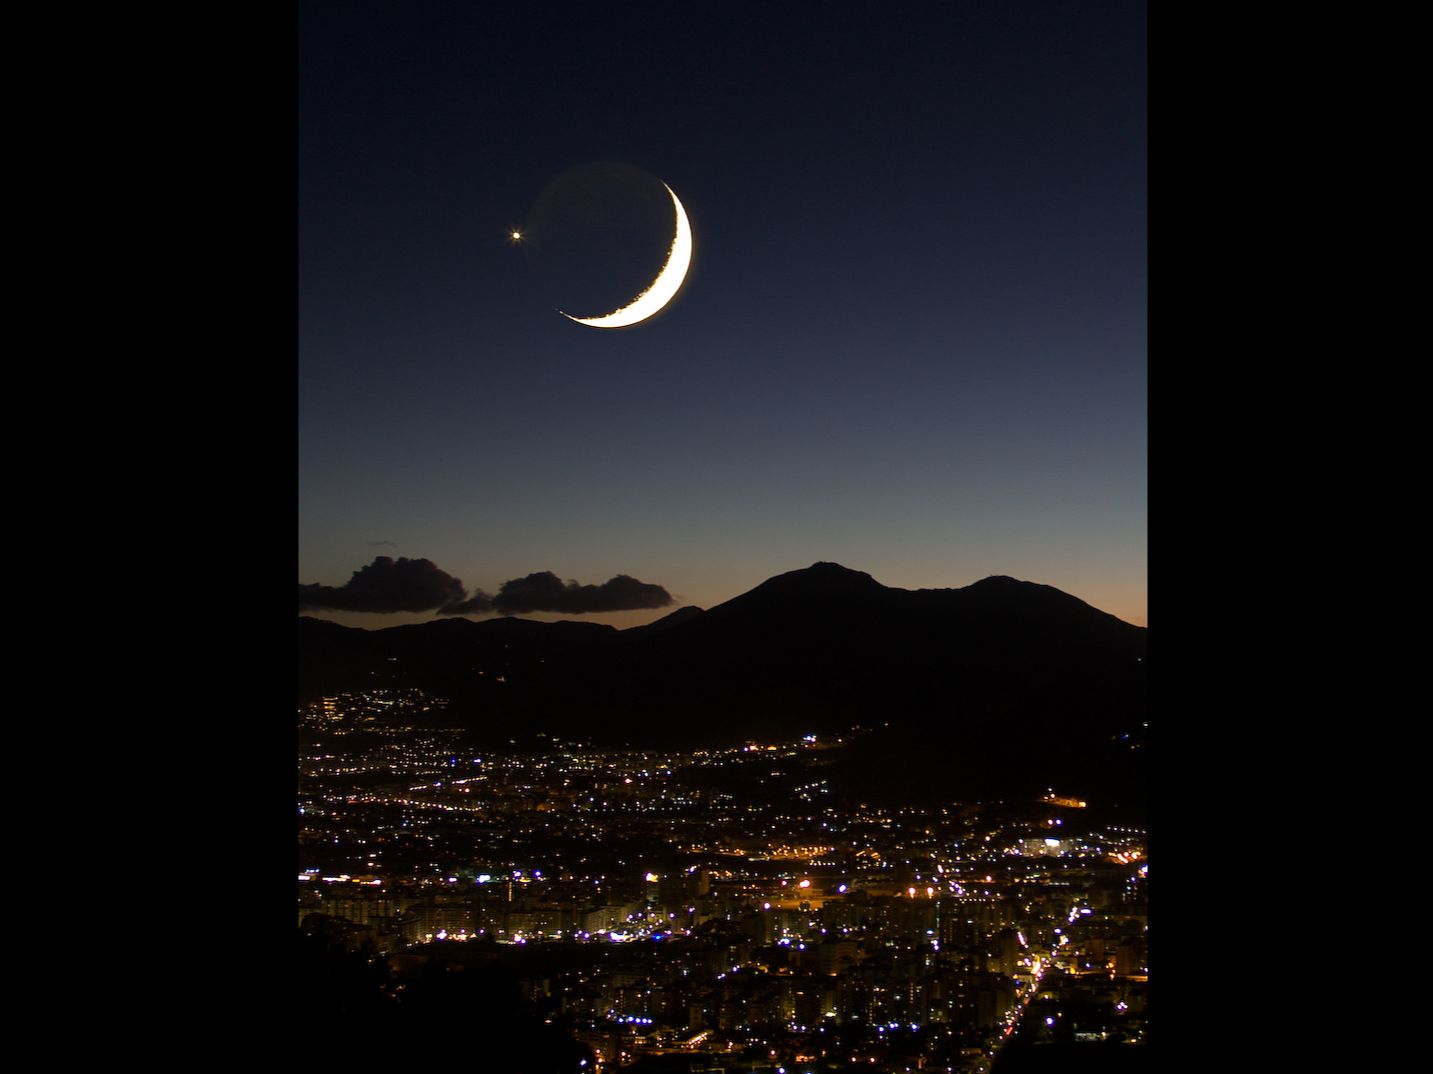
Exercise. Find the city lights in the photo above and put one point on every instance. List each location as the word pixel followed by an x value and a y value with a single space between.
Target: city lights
pixel 727 912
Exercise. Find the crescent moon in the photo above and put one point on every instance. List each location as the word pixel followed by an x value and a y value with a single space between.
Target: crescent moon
pixel 662 289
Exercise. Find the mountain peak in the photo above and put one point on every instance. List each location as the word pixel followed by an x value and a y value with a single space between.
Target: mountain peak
pixel 821 580
pixel 821 585
pixel 826 567
pixel 826 573
pixel 997 579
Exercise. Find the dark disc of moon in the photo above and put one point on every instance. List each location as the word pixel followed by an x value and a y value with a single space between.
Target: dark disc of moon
pixel 599 235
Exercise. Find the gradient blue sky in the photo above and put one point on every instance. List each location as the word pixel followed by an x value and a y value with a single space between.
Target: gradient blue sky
pixel 913 340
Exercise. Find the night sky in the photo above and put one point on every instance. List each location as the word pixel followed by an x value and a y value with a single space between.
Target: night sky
pixel 912 341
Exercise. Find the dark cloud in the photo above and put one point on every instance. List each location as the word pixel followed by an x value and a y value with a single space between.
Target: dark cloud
pixel 407 585
pixel 478 604
pixel 418 585
pixel 380 544
pixel 545 592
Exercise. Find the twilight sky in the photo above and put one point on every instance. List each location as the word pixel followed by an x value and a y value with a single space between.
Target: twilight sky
pixel 913 339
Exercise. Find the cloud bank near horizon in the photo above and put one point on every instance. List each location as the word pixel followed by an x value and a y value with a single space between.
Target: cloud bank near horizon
pixel 418 585
pixel 545 592
pixel 387 585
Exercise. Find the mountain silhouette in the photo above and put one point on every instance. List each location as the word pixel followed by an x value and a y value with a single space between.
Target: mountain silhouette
pixel 1003 685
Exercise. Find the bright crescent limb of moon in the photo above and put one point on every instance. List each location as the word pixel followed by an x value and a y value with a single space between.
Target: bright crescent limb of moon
pixel 666 285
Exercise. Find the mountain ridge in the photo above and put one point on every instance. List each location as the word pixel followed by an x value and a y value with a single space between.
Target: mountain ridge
pixel 996 681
